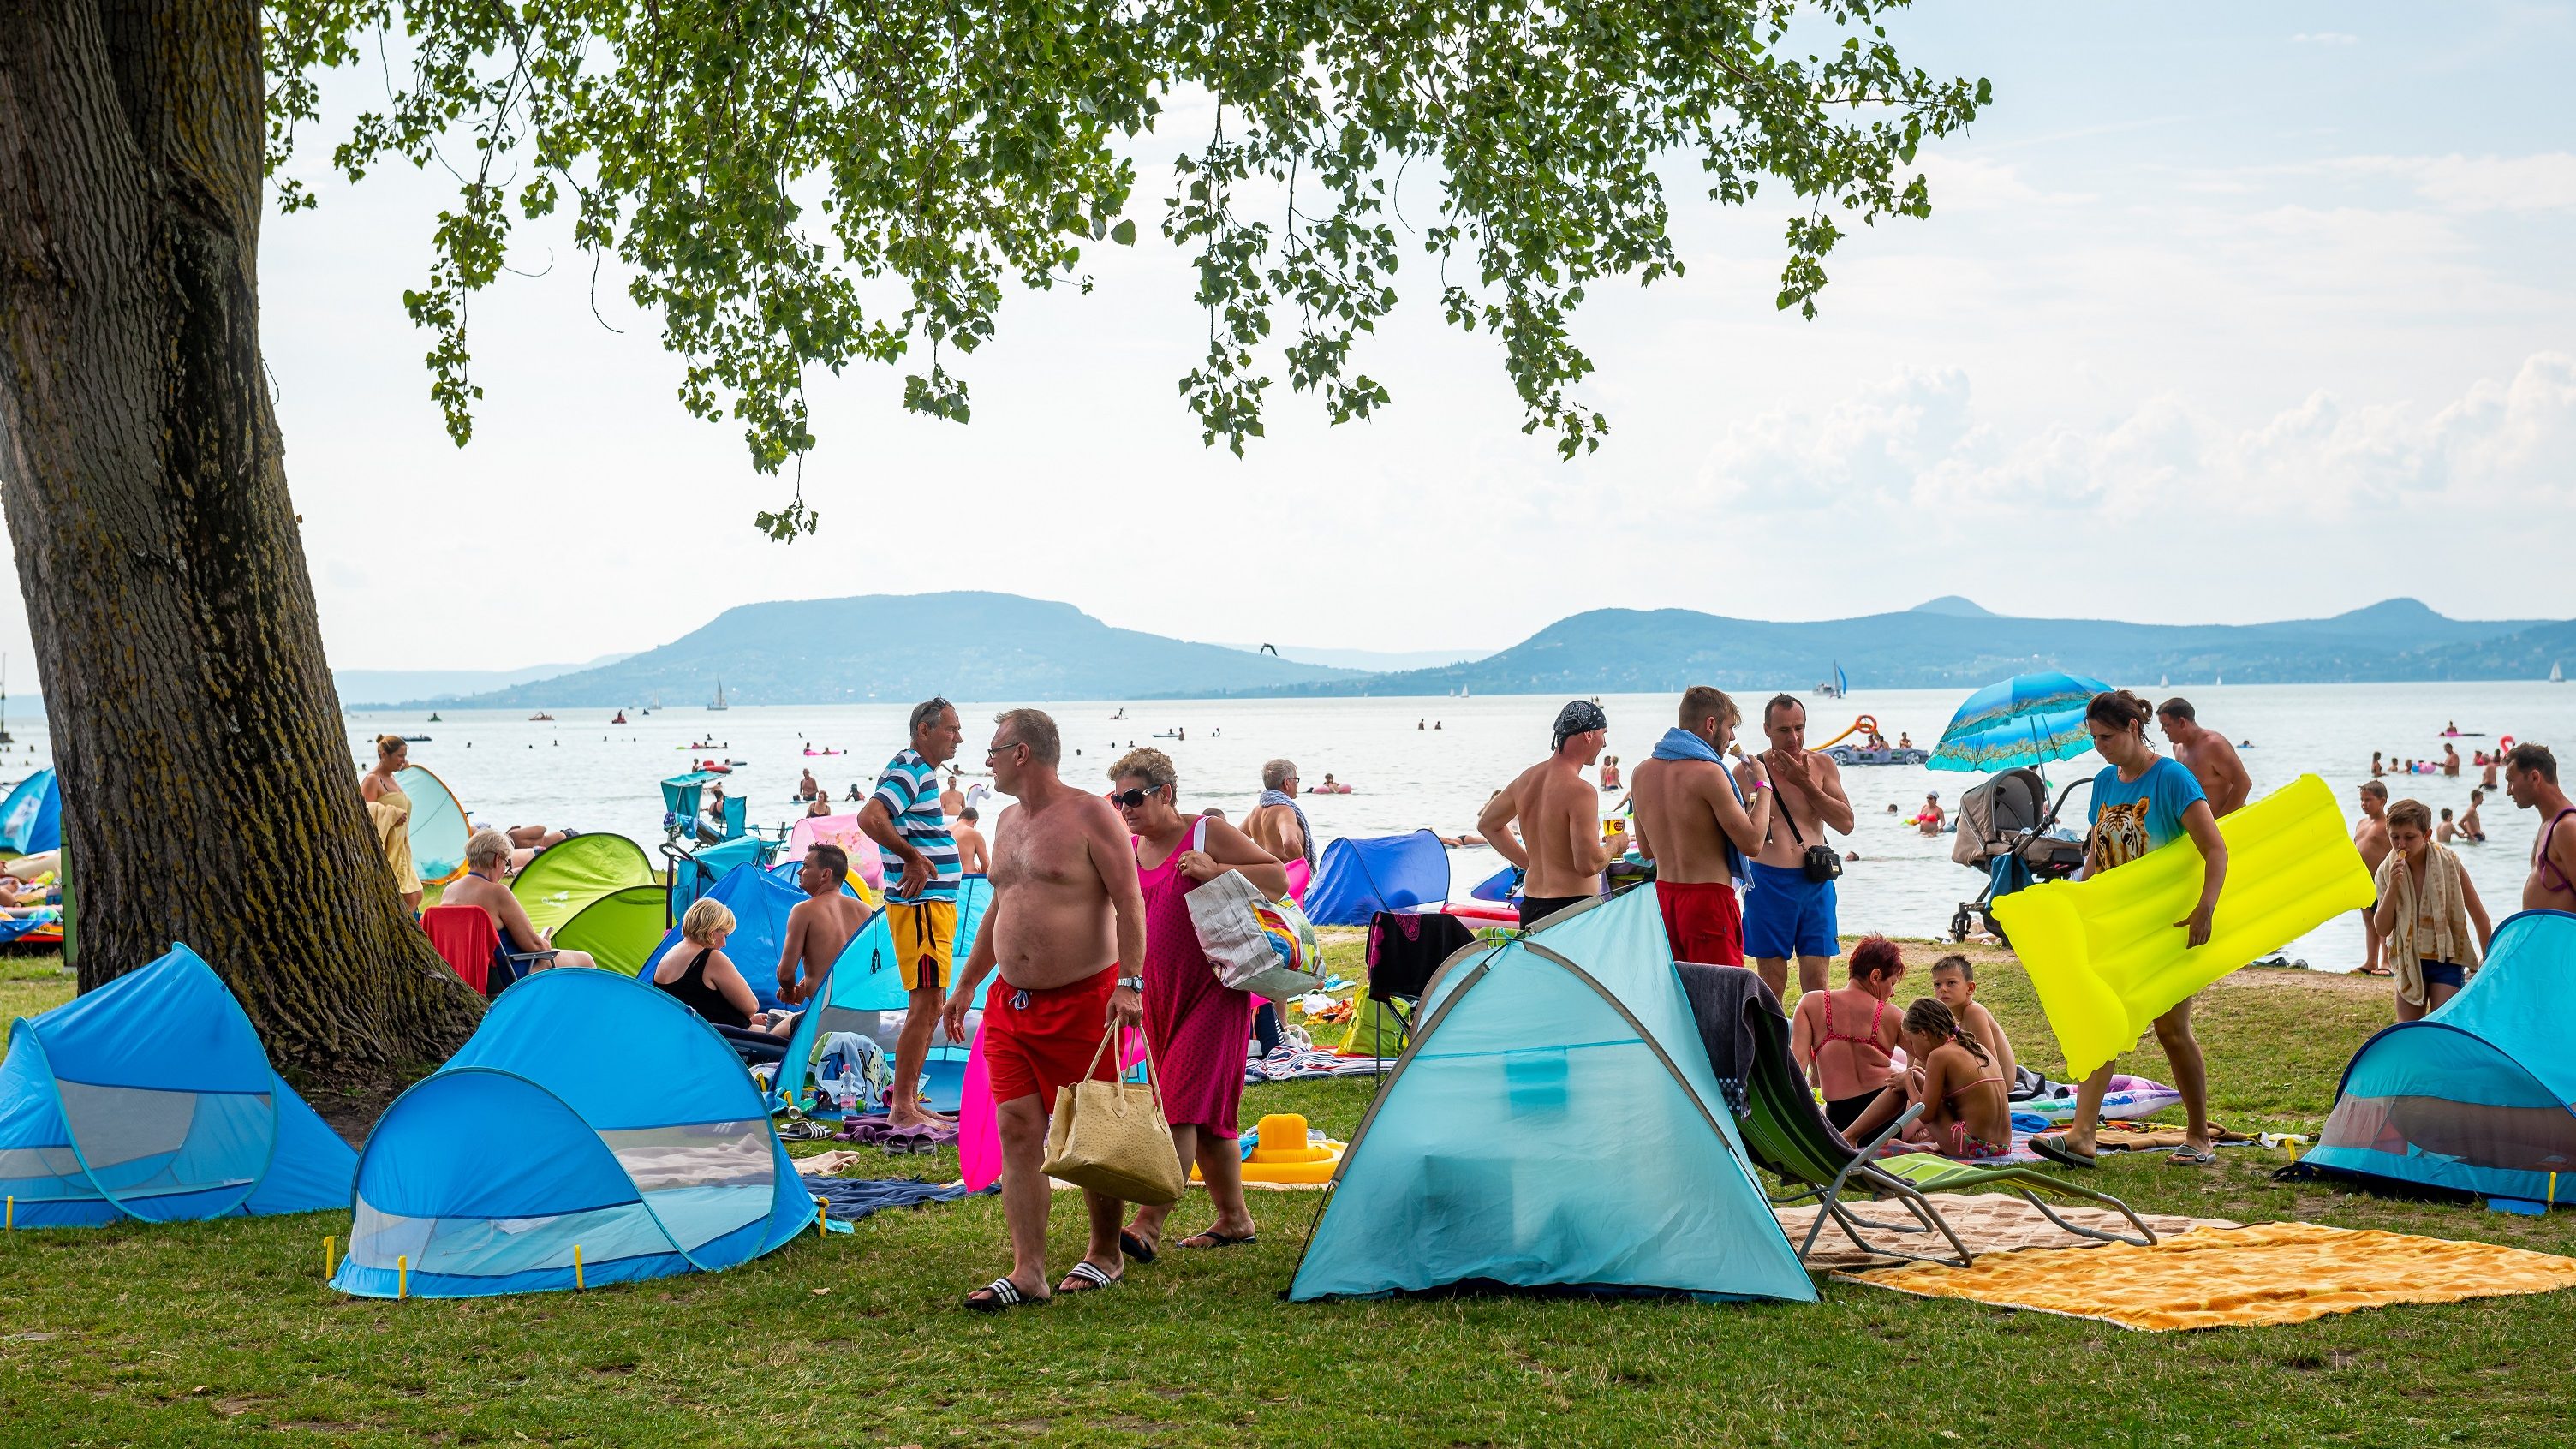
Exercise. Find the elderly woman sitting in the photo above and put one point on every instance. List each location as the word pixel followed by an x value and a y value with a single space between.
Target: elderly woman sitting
pixel 487 862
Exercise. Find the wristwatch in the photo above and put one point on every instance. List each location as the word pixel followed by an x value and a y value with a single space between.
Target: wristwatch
pixel 1132 983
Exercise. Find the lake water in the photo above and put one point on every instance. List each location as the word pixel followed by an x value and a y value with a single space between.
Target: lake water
pixel 581 771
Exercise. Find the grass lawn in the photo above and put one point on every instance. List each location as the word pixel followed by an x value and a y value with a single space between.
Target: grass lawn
pixel 225 1333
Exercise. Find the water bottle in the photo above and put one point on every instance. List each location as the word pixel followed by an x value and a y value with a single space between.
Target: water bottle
pixel 849 1097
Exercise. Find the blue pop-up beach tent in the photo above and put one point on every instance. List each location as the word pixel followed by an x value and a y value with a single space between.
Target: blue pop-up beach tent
pixel 863 982
pixel 1356 879
pixel 31 819
pixel 760 903
pixel 1554 1126
pixel 589 1115
pixel 152 1098
pixel 2479 1096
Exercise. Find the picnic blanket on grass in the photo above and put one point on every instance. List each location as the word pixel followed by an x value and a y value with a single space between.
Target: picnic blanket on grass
pixel 1987 1222
pixel 1285 1065
pixel 2232 1277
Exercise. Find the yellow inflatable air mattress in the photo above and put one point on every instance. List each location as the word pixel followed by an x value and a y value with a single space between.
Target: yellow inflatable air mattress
pixel 2106 957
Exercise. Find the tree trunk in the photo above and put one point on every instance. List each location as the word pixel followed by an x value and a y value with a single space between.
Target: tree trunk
pixel 208 794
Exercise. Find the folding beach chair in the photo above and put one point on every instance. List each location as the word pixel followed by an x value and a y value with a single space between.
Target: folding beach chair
pixel 470 944
pixel 1788 1135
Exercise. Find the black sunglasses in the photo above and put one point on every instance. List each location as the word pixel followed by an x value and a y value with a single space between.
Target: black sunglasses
pixel 1000 746
pixel 1133 799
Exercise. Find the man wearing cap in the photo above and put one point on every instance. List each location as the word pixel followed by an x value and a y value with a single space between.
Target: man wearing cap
pixel 1548 821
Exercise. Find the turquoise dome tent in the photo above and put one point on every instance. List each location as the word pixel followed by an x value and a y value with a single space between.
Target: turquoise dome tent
pixel 151 1098
pixel 860 984
pixel 1555 1126
pixel 2478 1097
pixel 438 826
pixel 31 819
pixel 593 1130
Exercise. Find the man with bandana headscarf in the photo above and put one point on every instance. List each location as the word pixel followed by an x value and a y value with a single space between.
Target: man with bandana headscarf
pixel 1548 821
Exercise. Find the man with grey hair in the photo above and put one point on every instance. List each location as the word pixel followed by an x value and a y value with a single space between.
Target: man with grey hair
pixel 920 858
pixel 1066 910
pixel 1278 824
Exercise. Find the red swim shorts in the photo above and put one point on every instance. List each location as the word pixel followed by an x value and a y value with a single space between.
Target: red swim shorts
pixel 1704 921
pixel 1037 1041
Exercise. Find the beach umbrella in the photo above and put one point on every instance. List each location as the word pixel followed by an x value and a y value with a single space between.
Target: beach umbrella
pixel 2029 719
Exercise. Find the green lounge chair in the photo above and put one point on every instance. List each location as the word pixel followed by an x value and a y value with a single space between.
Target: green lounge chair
pixel 1787 1135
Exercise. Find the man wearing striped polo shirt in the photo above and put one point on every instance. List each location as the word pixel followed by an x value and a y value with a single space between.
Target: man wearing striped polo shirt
pixel 904 819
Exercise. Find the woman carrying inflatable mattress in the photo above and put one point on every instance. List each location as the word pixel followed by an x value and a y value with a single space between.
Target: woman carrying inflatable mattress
pixel 2142 800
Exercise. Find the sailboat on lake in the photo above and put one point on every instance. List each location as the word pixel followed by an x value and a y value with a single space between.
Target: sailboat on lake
pixel 719 702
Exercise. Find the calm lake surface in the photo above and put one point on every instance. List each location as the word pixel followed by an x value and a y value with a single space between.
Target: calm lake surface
pixel 580 770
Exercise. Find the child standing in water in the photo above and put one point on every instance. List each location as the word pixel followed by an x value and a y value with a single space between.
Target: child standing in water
pixel 1954 980
pixel 1843 1038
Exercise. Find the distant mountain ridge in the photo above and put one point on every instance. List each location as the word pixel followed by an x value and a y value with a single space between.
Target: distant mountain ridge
pixel 893 648
pixel 1951 642
pixel 372 688
pixel 906 647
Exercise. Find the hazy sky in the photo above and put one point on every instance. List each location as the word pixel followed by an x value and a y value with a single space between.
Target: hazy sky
pixel 2224 313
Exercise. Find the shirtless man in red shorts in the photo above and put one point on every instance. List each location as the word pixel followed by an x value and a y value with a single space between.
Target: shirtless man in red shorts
pixel 1066 910
pixel 1698 828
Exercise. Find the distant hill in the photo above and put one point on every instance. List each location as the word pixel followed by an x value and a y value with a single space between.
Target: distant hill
pixel 904 647
pixel 374 688
pixel 1951 642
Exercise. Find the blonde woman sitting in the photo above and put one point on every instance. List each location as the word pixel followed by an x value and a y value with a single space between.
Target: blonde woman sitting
pixel 487 865
pixel 705 980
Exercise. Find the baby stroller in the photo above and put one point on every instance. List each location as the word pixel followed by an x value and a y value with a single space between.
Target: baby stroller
pixel 2005 830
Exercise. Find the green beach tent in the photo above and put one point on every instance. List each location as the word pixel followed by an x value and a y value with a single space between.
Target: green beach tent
pixel 1556 1127
pixel 596 893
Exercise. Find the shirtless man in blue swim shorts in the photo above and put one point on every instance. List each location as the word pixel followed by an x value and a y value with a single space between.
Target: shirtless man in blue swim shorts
pixel 1786 914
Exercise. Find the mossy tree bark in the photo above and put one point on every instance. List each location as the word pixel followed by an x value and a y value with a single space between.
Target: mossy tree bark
pixel 207 791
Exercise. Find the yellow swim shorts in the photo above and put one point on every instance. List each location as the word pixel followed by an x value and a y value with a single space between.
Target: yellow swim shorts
pixel 925 940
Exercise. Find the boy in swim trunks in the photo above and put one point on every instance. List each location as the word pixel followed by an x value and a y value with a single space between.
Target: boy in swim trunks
pixel 1954 981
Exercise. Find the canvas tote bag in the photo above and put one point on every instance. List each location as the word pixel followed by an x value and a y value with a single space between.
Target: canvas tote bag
pixel 1111 1137
pixel 1256 944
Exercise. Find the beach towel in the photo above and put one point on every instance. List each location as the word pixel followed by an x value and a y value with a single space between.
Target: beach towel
pixel 1986 1222
pixel 2232 1277
pixel 2432 920
pixel 1290 1065
pixel 848 1199
pixel 1722 999
pixel 1305 832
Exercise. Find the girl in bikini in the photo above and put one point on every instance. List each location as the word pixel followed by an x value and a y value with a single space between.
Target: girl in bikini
pixel 1965 1112
pixel 1843 1038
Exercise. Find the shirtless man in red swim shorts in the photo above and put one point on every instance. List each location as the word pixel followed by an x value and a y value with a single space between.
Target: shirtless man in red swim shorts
pixel 1066 911
pixel 1697 828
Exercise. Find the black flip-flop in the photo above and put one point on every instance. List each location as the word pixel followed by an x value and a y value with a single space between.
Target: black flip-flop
pixel 2053 1147
pixel 1001 1293
pixel 1089 1276
pixel 1216 1239
pixel 1135 1247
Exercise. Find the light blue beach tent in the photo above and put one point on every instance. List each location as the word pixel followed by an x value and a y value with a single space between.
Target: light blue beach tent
pixel 152 1098
pixel 760 903
pixel 1356 879
pixel 2480 1096
pixel 589 1113
pixel 1555 1125
pixel 860 984
pixel 31 819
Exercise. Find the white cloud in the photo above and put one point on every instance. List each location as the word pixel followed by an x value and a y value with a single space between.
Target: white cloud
pixel 2543 181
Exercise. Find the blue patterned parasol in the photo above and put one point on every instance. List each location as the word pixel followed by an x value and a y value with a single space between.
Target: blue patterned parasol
pixel 2029 719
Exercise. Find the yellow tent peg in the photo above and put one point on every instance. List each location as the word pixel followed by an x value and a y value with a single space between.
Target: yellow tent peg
pixel 577 1281
pixel 329 1261
pixel 402 1277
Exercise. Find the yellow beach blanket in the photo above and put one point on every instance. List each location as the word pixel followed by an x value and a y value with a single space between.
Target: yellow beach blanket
pixel 2231 1277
